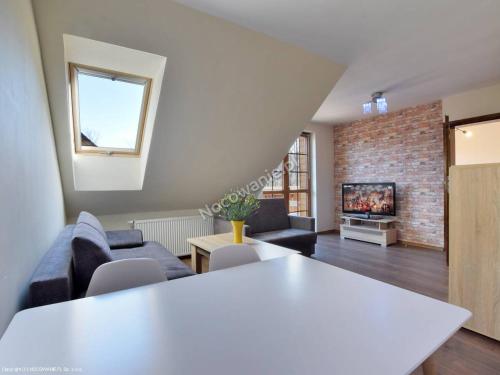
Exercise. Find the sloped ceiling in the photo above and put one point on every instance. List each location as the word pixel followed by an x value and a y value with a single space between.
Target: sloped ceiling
pixel 417 51
pixel 232 100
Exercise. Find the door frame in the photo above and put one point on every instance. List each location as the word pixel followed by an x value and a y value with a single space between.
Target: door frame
pixel 449 160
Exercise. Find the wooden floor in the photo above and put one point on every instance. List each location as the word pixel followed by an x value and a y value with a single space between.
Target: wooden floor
pixel 422 271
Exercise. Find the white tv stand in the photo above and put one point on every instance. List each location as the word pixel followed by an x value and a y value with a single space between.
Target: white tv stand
pixel 379 231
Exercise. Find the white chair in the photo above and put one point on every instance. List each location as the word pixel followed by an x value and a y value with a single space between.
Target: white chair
pixel 232 256
pixel 125 274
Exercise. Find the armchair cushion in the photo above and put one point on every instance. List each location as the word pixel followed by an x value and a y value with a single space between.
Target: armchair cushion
pixel 297 239
pixel 90 250
pixel 121 239
pixel 287 235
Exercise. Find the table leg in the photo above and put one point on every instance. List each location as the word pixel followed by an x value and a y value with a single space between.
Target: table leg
pixel 195 259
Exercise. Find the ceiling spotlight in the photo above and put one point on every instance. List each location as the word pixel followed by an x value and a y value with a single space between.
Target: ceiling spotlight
pixel 379 100
pixel 381 105
pixel 367 108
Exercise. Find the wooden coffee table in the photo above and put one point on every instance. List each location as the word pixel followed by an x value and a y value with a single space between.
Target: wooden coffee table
pixel 203 247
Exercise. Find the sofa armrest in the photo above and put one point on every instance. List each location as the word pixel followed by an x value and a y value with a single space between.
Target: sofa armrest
pixel 122 239
pixel 49 289
pixel 303 222
pixel 224 226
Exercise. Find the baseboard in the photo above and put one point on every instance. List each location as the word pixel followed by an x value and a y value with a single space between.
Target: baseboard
pixel 419 245
pixel 330 231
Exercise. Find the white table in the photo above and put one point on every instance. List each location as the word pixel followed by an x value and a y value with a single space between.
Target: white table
pixel 289 315
pixel 203 247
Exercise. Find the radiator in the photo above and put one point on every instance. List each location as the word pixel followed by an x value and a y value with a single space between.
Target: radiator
pixel 173 232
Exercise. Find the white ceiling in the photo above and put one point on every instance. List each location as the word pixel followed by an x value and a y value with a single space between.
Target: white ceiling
pixel 416 51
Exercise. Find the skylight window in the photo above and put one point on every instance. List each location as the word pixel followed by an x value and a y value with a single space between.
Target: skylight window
pixel 109 110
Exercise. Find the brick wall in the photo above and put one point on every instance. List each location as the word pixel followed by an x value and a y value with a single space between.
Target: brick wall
pixel 404 147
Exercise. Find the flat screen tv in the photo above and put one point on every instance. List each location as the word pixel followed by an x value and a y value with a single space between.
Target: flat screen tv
pixel 373 198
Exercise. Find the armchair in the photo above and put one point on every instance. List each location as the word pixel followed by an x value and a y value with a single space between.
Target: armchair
pixel 271 223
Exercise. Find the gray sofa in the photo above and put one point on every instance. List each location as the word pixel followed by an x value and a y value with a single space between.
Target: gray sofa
pixel 271 223
pixel 64 272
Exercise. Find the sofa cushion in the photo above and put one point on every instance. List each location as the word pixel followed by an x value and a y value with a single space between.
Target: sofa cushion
pixel 52 280
pixel 172 266
pixel 90 250
pixel 270 216
pixel 89 219
pixel 293 238
pixel 121 239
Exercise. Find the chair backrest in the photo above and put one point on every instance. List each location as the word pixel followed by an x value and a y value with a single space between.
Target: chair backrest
pixel 271 215
pixel 232 256
pixel 125 274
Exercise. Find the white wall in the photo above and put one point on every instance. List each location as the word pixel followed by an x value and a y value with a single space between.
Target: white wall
pixel 482 147
pixel 473 103
pixel 31 204
pixel 232 100
pixel 323 195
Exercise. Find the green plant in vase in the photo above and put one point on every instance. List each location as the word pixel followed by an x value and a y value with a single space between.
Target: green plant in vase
pixel 237 207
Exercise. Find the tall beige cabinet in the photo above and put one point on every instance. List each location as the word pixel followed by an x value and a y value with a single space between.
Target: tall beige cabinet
pixel 474 281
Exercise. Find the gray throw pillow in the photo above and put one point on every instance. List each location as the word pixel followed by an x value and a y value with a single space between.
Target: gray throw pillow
pixel 90 250
pixel 89 219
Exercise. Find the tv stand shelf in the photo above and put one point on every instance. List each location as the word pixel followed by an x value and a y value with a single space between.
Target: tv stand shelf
pixel 379 231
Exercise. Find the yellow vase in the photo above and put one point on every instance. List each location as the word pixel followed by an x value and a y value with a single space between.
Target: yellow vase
pixel 237 230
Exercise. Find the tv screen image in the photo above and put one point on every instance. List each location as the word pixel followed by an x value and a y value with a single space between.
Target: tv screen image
pixel 376 198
